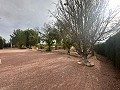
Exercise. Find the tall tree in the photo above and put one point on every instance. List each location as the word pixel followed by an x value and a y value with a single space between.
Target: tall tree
pixel 32 37
pixel 88 22
pixel 50 36
pixel 17 38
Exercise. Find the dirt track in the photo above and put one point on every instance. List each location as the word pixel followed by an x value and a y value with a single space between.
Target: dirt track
pixel 35 70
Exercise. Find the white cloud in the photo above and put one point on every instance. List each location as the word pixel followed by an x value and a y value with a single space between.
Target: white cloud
pixel 23 14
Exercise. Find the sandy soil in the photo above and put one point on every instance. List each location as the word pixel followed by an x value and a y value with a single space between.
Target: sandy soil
pixel 36 70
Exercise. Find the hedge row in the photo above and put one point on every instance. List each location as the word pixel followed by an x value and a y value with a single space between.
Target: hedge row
pixel 111 49
pixel 100 49
pixel 1 43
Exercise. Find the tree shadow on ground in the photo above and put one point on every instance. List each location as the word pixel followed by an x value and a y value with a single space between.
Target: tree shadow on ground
pixel 108 75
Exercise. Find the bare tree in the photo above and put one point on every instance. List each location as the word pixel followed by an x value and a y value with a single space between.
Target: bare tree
pixel 88 21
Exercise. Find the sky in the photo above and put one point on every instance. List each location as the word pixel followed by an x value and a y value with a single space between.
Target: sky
pixel 23 14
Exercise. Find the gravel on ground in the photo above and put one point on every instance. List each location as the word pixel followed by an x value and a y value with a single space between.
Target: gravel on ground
pixel 36 70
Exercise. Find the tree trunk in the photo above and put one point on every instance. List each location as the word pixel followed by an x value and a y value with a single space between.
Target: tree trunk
pixel 49 48
pixel 11 45
pixel 56 47
pixel 92 50
pixel 85 59
pixel 85 54
pixel 68 52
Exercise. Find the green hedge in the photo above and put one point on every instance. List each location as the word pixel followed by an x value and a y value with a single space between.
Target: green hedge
pixel 1 43
pixel 111 49
pixel 100 49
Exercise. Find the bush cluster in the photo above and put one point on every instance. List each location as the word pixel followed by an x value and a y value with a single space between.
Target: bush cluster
pixel 111 49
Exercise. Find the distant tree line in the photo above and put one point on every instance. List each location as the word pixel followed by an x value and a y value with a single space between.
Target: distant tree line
pixel 52 36
pixel 24 38
pixel 49 37
pixel 3 43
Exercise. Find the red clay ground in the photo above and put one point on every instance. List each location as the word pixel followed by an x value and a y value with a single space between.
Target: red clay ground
pixel 36 70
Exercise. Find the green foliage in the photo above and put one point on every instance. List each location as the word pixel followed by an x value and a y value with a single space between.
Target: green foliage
pixel 25 38
pixel 1 43
pixel 31 37
pixel 111 49
pixel 67 43
pixel 50 36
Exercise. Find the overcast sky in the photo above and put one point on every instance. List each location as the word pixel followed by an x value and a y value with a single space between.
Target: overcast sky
pixel 23 14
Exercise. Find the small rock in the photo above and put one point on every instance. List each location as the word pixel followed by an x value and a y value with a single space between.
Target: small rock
pixel 79 62
pixel 89 64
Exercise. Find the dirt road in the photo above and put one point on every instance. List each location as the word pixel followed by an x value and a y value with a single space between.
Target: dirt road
pixel 36 70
